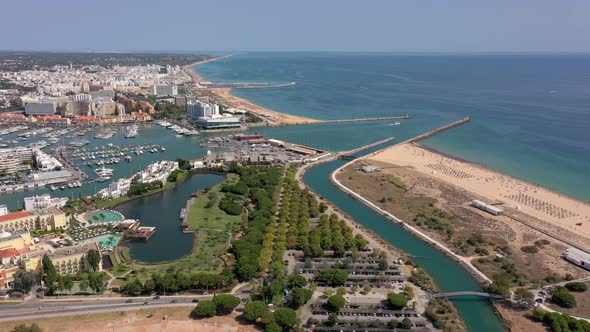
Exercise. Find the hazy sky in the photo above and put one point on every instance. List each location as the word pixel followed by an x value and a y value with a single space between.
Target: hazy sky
pixel 332 25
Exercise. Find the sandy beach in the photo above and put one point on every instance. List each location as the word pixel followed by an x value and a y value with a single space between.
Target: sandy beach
pixel 224 94
pixel 507 192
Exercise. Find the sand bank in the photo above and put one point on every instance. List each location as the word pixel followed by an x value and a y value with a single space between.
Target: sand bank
pixel 557 210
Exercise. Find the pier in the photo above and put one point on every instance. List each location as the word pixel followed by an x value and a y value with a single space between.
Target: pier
pixel 383 118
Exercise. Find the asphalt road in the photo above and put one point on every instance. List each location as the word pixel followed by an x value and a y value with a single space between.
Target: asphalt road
pixel 37 308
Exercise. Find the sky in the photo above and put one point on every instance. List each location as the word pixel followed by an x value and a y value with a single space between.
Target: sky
pixel 297 25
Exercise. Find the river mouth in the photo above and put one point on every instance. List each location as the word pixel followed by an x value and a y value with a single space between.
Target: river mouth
pixel 478 314
pixel 162 210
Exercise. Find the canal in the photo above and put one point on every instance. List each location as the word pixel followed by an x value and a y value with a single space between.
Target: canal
pixel 477 313
pixel 162 211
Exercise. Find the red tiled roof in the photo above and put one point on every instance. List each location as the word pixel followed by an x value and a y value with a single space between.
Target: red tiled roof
pixel 14 215
pixel 8 253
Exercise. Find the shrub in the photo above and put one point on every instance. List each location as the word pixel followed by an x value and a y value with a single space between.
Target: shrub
pixel 204 309
pixel 576 286
pixel 563 298
pixel 530 249
pixel 225 303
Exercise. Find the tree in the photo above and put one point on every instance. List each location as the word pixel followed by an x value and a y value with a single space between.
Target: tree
pixel 96 281
pixel 323 207
pixel 524 297
pixel 149 286
pixel 132 287
pixel 286 317
pixel 93 258
pixel 204 309
pixel 332 277
pixel 354 289
pixel 367 288
pixel 225 303
pixel 328 292
pixel 336 302
pixel 83 285
pixel 23 281
pixel 296 281
pixel 563 298
pixel 254 310
pixel 49 273
pixel 68 283
pixel 341 291
pixel 409 291
pixel 397 301
pixel 27 328
pixel 360 243
pixel 332 319
pixel 298 297
pixel 407 324
pixel 273 326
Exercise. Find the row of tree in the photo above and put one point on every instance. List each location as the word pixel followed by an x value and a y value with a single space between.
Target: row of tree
pixel 173 282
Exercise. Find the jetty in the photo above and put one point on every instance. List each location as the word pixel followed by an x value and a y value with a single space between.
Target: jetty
pixel 350 154
pixel 382 118
pixel 437 130
pixel 142 233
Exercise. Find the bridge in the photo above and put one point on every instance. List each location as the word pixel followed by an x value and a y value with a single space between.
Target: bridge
pixel 466 293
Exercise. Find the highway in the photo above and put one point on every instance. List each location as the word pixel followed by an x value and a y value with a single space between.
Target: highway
pixel 36 308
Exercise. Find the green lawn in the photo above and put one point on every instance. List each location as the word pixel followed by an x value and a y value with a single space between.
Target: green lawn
pixel 211 226
pixel 205 213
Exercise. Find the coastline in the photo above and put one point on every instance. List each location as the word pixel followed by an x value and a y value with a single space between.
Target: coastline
pixel 554 212
pixel 271 117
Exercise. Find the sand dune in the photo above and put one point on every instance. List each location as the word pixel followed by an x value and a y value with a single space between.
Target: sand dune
pixel 548 206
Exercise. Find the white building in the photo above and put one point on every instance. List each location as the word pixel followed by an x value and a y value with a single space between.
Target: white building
pixel 486 207
pixel 45 162
pixel 3 210
pixel 163 90
pixel 578 257
pixel 157 171
pixel 116 189
pixel 43 201
pixel 198 109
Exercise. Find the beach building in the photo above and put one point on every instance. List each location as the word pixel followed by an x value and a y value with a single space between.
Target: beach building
pixel 578 257
pixel 370 169
pixel 3 210
pixel 219 122
pixel 50 218
pixel 198 109
pixel 43 201
pixel 486 207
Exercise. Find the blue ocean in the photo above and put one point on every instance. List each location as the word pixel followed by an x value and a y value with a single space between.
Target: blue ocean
pixel 531 112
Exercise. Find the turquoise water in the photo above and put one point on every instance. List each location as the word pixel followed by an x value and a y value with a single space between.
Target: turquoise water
pixel 530 112
pixel 109 216
pixel 108 241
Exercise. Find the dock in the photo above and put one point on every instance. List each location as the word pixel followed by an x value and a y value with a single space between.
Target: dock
pixel 185 212
pixel 142 233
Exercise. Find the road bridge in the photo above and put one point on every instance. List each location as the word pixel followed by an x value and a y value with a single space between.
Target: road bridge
pixel 466 293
